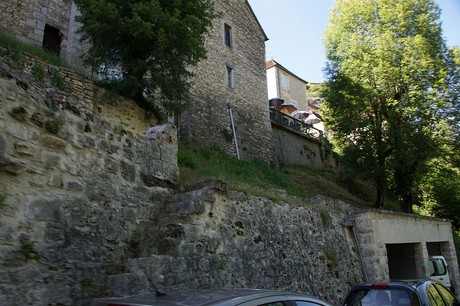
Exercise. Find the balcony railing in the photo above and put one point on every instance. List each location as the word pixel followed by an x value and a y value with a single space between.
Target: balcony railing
pixel 295 124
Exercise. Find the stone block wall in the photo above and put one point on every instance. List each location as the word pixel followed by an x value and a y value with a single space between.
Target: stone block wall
pixel 208 118
pixel 77 177
pixel 294 148
pixel 88 208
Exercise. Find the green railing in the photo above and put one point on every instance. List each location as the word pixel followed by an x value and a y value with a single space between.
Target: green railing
pixel 295 124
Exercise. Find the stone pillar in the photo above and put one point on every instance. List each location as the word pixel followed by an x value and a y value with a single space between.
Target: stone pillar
pixel 421 260
pixel 448 251
pixel 373 252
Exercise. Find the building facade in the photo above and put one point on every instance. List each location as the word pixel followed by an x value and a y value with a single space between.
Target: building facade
pixel 283 84
pixel 230 105
pixel 49 23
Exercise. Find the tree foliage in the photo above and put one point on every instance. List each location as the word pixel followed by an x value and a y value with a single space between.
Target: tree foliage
pixel 142 48
pixel 389 91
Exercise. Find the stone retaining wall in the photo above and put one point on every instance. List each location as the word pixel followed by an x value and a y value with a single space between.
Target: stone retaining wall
pixel 89 210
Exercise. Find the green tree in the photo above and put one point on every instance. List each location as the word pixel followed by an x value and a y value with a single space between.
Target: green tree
pixel 439 190
pixel 387 90
pixel 143 48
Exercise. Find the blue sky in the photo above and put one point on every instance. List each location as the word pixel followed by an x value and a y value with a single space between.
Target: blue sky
pixel 295 31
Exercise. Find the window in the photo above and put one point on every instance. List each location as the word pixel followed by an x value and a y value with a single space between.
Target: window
pixel 285 81
pixel 52 39
pixel 229 76
pixel 434 297
pixel 447 296
pixel 294 103
pixel 228 39
pixel 436 267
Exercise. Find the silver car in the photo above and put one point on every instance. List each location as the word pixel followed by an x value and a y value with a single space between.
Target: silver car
pixel 220 297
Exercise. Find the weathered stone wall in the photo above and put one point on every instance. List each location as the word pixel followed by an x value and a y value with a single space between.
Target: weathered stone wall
pixel 294 148
pixel 77 177
pixel 208 119
pixel 27 18
pixel 89 211
pixel 212 237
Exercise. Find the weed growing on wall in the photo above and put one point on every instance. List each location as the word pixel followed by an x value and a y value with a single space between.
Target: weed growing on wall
pixel 330 254
pixel 57 80
pixel 52 126
pixel 27 249
pixel 86 282
pixel 38 73
pixel 2 201
pixel 223 264
pixel 326 218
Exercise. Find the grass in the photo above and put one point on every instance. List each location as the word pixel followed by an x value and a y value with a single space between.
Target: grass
pixel 14 47
pixel 258 178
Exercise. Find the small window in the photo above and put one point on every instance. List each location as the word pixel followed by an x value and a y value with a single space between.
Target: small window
pixel 285 81
pixel 228 36
pixel 294 103
pixel 52 39
pixel 229 76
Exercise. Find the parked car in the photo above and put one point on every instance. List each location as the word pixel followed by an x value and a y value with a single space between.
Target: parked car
pixel 216 297
pixel 403 293
pixel 437 266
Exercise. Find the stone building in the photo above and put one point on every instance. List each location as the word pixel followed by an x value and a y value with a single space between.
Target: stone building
pixel 232 76
pixel 49 23
pixel 231 84
pixel 283 84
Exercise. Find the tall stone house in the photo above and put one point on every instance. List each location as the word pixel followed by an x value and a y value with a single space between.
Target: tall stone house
pixel 284 84
pixel 230 93
pixel 229 108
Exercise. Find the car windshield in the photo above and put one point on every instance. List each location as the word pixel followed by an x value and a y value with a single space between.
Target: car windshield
pixel 382 297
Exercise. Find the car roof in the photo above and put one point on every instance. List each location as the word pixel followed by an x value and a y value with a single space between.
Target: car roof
pixel 204 297
pixel 406 283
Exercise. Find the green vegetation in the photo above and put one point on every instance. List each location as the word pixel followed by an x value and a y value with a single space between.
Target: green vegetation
pixel 57 80
pixel 314 90
pixel 330 254
pixel 14 48
pixel 391 96
pixel 223 264
pixel 52 126
pixel 258 178
pixel 2 201
pixel 133 245
pixel 86 282
pixel 155 45
pixel 38 72
pixel 27 249
pixel 326 218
